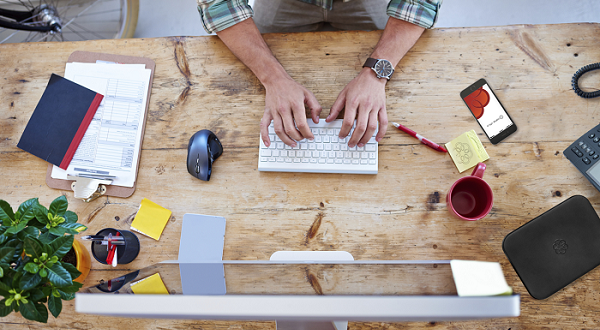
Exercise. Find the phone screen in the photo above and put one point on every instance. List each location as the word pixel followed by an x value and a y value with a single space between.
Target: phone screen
pixel 488 111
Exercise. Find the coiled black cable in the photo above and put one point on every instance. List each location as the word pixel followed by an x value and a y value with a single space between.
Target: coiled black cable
pixel 578 74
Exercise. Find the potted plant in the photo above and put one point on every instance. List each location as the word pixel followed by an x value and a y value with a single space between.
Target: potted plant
pixel 33 242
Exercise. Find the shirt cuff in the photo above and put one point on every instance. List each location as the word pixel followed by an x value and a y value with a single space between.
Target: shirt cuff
pixel 419 12
pixel 220 14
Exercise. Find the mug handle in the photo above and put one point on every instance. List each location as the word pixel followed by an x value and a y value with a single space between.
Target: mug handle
pixel 478 171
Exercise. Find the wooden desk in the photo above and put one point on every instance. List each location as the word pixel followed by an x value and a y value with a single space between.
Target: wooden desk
pixel 399 213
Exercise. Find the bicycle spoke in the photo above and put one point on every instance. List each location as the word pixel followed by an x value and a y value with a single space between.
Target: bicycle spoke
pixel 77 33
pixel 90 6
pixel 79 19
pixel 10 36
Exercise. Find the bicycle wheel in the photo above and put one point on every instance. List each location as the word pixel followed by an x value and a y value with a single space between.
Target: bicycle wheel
pixel 70 20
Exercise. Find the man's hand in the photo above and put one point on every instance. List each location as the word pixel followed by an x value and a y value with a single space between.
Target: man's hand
pixel 285 102
pixel 364 100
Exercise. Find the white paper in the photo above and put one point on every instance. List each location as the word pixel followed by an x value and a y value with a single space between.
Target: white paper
pixel 111 144
pixel 478 278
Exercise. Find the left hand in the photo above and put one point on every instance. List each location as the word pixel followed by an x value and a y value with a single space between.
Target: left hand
pixel 364 100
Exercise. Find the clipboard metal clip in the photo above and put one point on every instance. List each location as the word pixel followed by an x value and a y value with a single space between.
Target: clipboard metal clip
pixel 89 187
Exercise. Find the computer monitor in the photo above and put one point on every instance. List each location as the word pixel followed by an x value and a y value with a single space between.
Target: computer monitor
pixel 314 291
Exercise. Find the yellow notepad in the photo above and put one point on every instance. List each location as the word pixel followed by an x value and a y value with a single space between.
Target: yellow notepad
pixel 152 284
pixel 466 151
pixel 150 219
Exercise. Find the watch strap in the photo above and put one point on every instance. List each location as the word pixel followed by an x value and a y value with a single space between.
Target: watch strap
pixel 370 62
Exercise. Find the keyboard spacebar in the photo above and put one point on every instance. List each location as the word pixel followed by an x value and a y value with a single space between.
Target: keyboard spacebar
pixel 317 168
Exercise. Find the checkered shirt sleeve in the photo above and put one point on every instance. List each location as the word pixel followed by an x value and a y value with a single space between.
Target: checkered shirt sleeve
pixel 217 15
pixel 419 12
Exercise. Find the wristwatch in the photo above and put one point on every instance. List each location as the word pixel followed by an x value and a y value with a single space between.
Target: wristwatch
pixel 383 68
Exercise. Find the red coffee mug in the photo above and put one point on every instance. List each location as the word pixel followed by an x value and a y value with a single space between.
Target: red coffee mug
pixel 471 198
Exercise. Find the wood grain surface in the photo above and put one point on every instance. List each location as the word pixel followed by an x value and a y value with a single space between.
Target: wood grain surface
pixel 400 213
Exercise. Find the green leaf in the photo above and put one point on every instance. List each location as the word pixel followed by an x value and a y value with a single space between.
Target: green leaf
pixel 27 209
pixel 5 310
pixel 20 226
pixel 73 228
pixel 33 247
pixel 73 288
pixel 32 267
pixel 54 305
pixel 36 295
pixel 41 214
pixel 66 296
pixel 29 231
pixel 34 311
pixel 6 213
pixel 4 286
pixel 62 245
pixel 59 276
pixel 57 231
pixel 71 217
pixel 30 281
pixel 72 270
pixel 6 254
pixel 46 238
pixel 59 206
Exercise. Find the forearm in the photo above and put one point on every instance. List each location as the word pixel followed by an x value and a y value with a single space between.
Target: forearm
pixel 397 39
pixel 247 44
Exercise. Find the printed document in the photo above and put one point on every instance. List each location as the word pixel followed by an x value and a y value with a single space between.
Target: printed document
pixel 111 144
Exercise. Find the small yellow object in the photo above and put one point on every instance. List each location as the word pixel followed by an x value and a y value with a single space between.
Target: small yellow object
pixel 466 151
pixel 150 219
pixel 152 284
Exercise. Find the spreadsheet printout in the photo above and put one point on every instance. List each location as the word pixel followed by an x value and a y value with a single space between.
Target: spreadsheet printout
pixel 111 144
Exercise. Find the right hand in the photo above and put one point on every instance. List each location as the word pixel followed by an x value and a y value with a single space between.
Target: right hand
pixel 285 106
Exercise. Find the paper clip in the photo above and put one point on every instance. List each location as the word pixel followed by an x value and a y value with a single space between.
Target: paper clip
pixel 89 187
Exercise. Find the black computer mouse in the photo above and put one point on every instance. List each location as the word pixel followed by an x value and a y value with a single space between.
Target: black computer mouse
pixel 204 148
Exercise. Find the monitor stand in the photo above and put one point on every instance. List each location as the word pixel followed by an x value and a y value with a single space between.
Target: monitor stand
pixel 311 256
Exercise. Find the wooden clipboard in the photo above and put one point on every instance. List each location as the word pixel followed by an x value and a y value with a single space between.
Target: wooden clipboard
pixel 89 57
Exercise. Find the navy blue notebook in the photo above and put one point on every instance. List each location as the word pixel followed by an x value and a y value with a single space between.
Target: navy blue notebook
pixel 59 121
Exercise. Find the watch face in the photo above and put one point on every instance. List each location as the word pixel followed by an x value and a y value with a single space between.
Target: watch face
pixel 384 68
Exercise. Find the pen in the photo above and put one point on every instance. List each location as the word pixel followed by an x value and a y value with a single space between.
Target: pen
pixel 423 140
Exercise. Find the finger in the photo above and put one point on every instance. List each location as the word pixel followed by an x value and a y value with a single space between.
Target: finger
pixel 289 126
pixel 361 126
pixel 383 123
pixel 371 128
pixel 337 107
pixel 264 128
pixel 313 105
pixel 301 124
pixel 280 131
pixel 348 121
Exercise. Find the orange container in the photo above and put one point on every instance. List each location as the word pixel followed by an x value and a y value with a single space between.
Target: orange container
pixel 84 260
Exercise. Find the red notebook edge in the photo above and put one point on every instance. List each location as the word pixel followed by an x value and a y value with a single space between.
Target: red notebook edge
pixel 85 123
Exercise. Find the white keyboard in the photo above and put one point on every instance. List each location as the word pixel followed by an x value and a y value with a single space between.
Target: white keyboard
pixel 326 154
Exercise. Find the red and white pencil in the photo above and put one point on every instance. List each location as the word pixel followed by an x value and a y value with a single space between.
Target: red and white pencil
pixel 421 138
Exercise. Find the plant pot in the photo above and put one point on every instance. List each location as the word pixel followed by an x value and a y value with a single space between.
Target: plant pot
pixel 84 261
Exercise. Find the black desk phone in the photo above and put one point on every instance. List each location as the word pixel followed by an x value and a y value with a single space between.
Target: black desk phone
pixel 584 153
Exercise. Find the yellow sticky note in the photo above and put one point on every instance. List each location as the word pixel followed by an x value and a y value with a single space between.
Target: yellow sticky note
pixel 466 151
pixel 152 284
pixel 150 219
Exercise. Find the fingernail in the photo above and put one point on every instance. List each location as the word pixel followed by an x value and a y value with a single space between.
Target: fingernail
pixel 361 144
pixel 351 145
pixel 293 144
pixel 311 140
pixel 378 139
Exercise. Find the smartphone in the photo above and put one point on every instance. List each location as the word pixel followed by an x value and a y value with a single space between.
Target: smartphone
pixel 489 112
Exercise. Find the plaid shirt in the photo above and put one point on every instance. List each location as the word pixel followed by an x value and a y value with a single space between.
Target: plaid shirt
pixel 217 15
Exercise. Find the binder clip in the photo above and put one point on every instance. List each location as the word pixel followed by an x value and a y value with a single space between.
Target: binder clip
pixel 89 187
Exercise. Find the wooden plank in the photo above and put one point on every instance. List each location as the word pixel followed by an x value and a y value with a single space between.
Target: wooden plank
pixel 398 214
